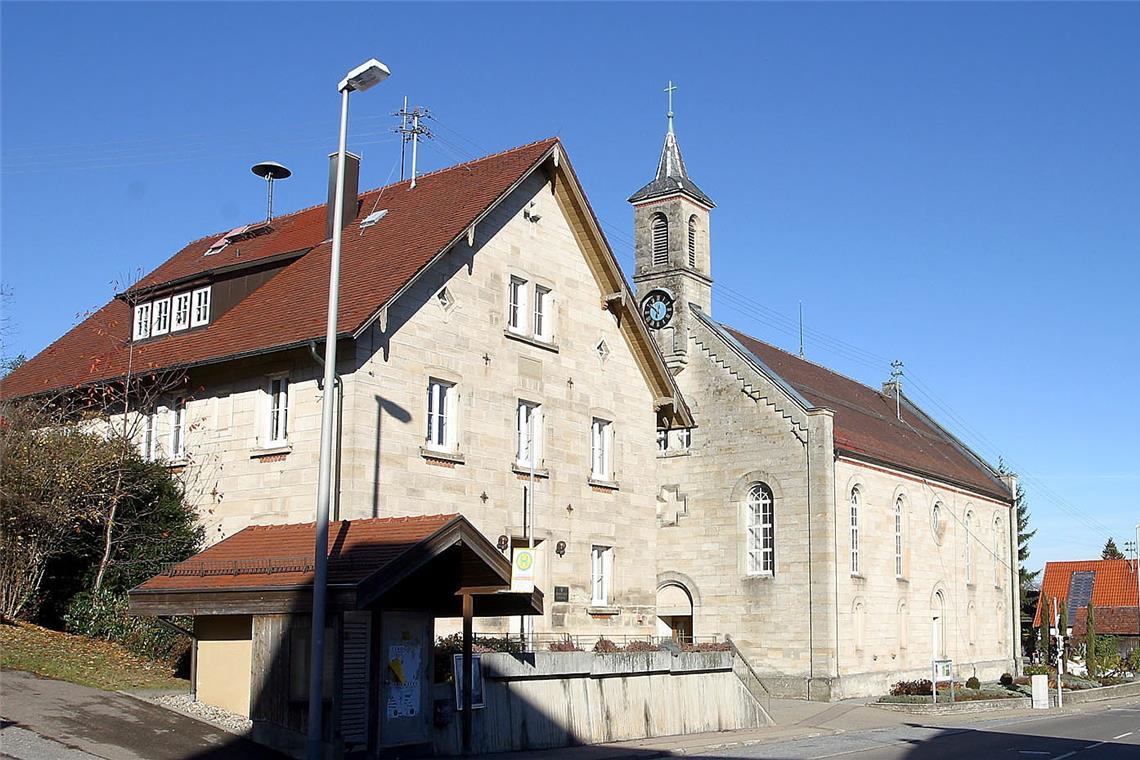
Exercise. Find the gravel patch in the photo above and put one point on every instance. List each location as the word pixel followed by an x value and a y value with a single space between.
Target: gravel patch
pixel 235 724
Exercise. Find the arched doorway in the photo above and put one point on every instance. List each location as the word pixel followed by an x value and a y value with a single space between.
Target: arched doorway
pixel 674 613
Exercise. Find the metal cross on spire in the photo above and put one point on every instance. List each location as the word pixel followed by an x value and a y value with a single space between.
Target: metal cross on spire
pixel 670 89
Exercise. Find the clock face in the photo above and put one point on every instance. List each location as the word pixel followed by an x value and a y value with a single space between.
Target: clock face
pixel 657 308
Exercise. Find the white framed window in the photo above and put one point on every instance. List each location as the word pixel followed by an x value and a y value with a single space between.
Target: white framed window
pixel 601 449
pixel 854 531
pixel 148 444
pixel 969 548
pixel 899 537
pixel 516 305
pixel 660 240
pixel 543 313
pixel 178 429
pixel 142 321
pixel 160 319
pixel 761 535
pixel 277 430
pixel 601 574
pixel 200 308
pixel 529 431
pixel 181 319
pixel 440 415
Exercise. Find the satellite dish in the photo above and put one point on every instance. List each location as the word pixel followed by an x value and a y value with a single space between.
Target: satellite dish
pixel 269 171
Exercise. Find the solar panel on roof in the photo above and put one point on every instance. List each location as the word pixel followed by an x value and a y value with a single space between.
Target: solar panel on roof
pixel 1080 591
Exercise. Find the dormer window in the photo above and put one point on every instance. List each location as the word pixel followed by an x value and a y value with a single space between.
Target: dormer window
pixel 142 321
pixel 181 312
pixel 160 319
pixel 201 312
pixel 171 314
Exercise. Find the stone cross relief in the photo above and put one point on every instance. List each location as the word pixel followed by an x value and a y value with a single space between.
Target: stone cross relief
pixel 671 505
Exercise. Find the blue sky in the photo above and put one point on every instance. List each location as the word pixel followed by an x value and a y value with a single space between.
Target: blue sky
pixel 956 186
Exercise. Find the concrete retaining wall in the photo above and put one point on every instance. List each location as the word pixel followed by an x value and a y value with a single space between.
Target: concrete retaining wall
pixel 557 699
pixel 1096 695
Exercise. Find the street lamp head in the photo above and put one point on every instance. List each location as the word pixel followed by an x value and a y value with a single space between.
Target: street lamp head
pixel 364 76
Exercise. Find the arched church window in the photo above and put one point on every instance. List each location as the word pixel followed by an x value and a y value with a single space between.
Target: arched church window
pixel 854 531
pixel 660 240
pixel 969 547
pixel 693 241
pixel 899 537
pixel 761 535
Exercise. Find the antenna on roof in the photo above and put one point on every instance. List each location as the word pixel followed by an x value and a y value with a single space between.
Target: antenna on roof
pixel 801 329
pixel 896 381
pixel 269 171
pixel 411 133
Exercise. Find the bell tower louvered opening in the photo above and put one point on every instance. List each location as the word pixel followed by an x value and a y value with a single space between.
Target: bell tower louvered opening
pixel 660 240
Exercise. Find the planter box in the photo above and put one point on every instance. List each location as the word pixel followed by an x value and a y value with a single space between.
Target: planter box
pixel 950 708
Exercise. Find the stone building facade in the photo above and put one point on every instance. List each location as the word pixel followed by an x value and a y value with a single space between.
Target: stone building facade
pixel 523 313
pixel 837 533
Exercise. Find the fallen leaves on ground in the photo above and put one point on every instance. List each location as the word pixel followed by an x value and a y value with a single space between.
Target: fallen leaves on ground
pixel 90 662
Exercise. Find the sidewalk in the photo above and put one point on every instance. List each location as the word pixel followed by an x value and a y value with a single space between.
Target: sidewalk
pixel 795 719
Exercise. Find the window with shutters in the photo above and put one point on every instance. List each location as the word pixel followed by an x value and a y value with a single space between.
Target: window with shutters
pixel 148 445
pixel 693 241
pixel 660 240
pixel 761 535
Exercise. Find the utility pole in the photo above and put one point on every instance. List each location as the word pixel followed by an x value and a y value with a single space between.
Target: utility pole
pixel 1060 647
pixel 411 133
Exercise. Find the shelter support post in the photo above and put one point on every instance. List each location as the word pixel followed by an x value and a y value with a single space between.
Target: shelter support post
pixel 468 610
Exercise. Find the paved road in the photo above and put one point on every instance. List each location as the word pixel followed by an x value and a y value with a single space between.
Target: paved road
pixel 56 720
pixel 1110 732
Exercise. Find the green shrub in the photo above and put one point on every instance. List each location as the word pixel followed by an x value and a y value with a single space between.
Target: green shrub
pixel 104 616
pixel 973 683
pixel 1038 670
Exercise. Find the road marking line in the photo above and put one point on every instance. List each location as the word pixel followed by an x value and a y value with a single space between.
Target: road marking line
pixel 1067 754
pixel 1122 736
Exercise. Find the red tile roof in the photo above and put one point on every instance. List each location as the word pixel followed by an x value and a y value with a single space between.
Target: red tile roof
pixel 866 424
pixel 1115 621
pixel 1113 586
pixel 281 556
pixel 290 308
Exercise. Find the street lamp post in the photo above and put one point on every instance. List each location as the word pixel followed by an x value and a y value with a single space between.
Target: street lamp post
pixel 361 78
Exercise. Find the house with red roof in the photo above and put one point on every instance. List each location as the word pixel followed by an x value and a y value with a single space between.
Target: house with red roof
pixel 1110 585
pixel 842 536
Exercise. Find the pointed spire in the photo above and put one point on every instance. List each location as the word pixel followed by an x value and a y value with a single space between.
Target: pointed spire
pixel 672 176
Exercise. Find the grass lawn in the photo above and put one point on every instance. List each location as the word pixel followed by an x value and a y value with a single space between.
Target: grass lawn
pixel 81 660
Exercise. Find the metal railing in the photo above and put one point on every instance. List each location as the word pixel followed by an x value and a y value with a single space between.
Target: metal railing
pixel 589 642
pixel 767 706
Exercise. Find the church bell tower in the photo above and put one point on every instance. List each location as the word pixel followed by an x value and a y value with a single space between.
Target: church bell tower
pixel 671 248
